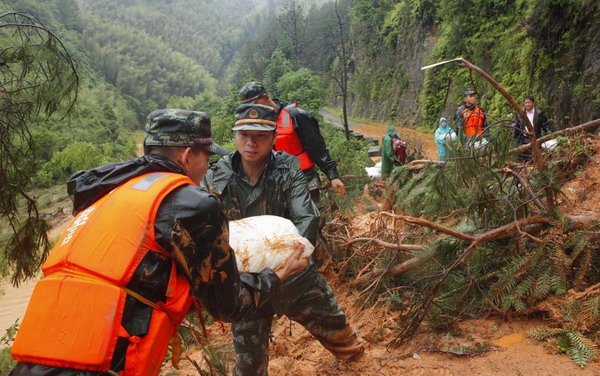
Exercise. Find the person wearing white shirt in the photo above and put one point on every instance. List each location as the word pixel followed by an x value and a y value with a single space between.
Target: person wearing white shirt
pixel 536 117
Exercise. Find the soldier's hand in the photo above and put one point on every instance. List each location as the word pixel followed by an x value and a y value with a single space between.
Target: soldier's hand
pixel 294 264
pixel 338 187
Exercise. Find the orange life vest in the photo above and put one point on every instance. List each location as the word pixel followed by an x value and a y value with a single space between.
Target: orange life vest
pixel 74 317
pixel 287 140
pixel 474 120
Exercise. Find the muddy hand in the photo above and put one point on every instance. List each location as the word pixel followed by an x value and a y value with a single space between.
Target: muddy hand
pixel 294 264
pixel 338 187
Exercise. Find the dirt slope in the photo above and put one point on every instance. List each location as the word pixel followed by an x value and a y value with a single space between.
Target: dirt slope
pixel 508 351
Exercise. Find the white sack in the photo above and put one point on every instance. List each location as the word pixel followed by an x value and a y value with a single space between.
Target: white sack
pixel 264 241
pixel 480 144
pixel 375 171
pixel 450 137
pixel 549 144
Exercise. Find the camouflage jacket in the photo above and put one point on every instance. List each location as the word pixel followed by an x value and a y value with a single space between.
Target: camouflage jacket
pixel 282 191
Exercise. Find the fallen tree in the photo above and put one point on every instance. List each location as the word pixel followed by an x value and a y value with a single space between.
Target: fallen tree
pixel 493 240
pixel 585 127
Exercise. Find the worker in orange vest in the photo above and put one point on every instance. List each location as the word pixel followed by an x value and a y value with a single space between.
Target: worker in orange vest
pixel 298 134
pixel 470 119
pixel 145 240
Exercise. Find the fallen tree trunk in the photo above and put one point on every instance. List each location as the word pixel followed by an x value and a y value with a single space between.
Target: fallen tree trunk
pixel 590 125
pixel 476 240
pixel 406 265
pixel 421 163
pixel 433 225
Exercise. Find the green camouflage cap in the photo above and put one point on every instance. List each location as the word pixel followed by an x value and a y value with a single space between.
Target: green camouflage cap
pixel 255 117
pixel 252 91
pixel 174 127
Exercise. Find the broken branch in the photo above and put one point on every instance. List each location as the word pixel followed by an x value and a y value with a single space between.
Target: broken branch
pixel 404 247
pixel 590 125
pixel 433 225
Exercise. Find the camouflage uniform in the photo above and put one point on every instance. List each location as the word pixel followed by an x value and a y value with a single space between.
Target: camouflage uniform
pixel 306 297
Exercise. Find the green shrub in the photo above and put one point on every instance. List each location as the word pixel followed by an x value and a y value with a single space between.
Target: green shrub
pixel 303 87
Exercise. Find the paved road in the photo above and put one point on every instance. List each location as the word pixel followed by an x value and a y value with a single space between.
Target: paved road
pixel 336 120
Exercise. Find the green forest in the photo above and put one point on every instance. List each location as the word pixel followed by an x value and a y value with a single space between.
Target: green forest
pixel 119 60
pixel 135 56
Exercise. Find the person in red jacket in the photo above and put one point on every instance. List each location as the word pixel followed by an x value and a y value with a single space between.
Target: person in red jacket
pixel 298 134
pixel 470 119
pixel 144 241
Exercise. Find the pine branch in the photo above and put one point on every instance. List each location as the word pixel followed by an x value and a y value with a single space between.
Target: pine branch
pixel 404 247
pixel 432 225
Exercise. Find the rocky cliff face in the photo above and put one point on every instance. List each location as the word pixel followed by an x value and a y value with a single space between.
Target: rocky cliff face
pixel 547 49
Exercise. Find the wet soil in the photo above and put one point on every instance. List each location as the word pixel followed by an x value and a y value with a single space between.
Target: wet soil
pixel 494 346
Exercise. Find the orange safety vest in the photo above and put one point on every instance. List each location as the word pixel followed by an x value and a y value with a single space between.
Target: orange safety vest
pixel 74 317
pixel 474 120
pixel 287 140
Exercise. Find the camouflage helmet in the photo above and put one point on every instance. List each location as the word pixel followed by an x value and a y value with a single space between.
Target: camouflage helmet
pixel 255 117
pixel 175 127
pixel 469 92
pixel 252 91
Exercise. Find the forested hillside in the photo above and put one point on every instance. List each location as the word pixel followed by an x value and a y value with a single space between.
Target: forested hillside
pixel 138 55
pixel 158 53
pixel 546 48
pixel 99 127
pixel 132 57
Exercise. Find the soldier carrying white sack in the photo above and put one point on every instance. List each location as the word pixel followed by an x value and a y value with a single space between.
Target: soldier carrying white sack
pixel 145 238
pixel 253 181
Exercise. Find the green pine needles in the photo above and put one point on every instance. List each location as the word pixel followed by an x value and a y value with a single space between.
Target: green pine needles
pixel 570 342
pixel 552 268
pixel 38 77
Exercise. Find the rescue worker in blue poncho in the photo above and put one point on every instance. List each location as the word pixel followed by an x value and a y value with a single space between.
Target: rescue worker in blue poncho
pixel 443 136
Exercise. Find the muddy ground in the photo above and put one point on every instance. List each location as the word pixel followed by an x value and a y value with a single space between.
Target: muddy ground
pixel 488 346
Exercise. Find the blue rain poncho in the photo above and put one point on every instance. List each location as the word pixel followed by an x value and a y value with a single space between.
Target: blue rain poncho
pixel 443 136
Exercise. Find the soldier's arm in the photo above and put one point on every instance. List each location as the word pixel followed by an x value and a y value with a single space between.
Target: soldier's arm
pixel 307 128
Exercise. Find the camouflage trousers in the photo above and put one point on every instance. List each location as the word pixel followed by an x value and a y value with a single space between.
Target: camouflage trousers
pixel 316 309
